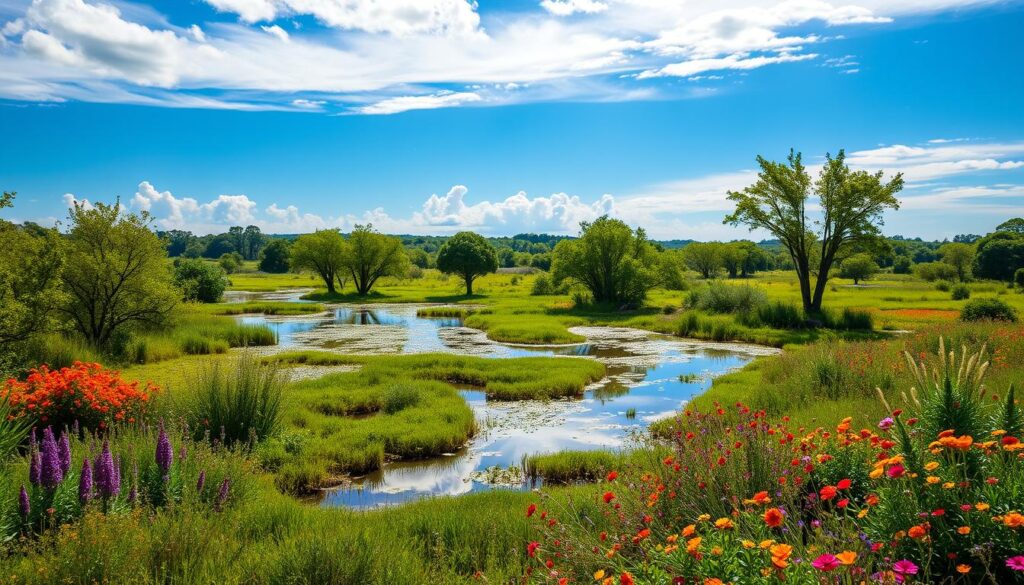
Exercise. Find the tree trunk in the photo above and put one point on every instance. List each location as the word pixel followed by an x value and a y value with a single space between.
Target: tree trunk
pixel 469 285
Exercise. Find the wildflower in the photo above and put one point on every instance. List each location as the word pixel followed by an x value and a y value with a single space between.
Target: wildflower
pixel 981 506
pixel 626 579
pixel 963 530
pixel 85 483
pixel 760 499
pixel 773 517
pixel 24 508
pixel 780 555
pixel 108 482
pixel 612 475
pixel 905 567
pixel 529 509
pixel 963 569
pixel 608 497
pixel 895 471
pixel 825 563
pixel 932 480
pixel 222 495
pixel 599 574
pixel 689 530
pixel 50 474
pixel 164 452
pixel 35 467
pixel 723 524
pixel 931 466
pixel 64 449
pixel 1013 520
pixel 917 532
pixel 847 557
pixel 844 484
pixel 1016 563
pixel 202 482
pixel 531 549
pixel 886 423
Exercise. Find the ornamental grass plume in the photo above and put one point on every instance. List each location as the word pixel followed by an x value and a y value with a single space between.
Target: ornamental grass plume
pixel 85 483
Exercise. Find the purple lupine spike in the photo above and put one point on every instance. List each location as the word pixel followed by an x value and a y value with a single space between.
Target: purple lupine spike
pixel 107 482
pixel 222 495
pixel 35 466
pixel 32 439
pixel 164 452
pixel 115 478
pixel 201 481
pixel 51 473
pixel 65 453
pixel 85 483
pixel 24 508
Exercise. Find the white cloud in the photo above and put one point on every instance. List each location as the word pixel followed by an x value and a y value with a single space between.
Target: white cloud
pixel 189 214
pixel 558 213
pixel 71 201
pixel 568 7
pixel 940 159
pixel 420 102
pixel 385 54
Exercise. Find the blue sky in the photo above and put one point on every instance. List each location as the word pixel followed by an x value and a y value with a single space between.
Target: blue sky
pixel 431 116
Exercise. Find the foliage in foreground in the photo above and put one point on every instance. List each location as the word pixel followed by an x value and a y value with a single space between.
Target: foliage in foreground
pixel 931 494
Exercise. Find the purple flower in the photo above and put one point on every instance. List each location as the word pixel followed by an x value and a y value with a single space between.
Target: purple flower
pixel 886 423
pixel 201 481
pixel 904 567
pixel 85 483
pixel 65 453
pixel 35 466
pixel 115 479
pixel 108 483
pixel 164 452
pixel 1016 563
pixel 222 495
pixel 51 473
pixel 23 503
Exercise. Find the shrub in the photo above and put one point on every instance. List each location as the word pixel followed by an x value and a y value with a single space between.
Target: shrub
pixel 1018 278
pixel 932 271
pixel 780 315
pixel 848 320
pixel 85 393
pixel 961 292
pixel 943 285
pixel 237 403
pixel 542 286
pixel 199 281
pixel 988 309
pixel 719 297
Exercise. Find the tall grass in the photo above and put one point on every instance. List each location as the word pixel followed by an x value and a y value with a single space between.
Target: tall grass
pixel 237 401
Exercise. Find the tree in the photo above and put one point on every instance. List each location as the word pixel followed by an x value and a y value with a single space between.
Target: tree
pixel 116 273
pixel 219 245
pixel 199 281
pixel 30 283
pixel 468 255
pixel 1015 225
pixel 274 257
pixel 704 257
pixel 372 255
pixel 858 267
pixel 253 241
pixel 733 257
pixel 999 254
pixel 419 258
pixel 177 241
pixel 324 252
pixel 852 203
pixel 615 263
pixel 902 265
pixel 230 262
pixel 960 256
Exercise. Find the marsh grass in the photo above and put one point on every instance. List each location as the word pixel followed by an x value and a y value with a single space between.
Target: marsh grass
pixel 261 308
pixel 573 466
pixel 236 401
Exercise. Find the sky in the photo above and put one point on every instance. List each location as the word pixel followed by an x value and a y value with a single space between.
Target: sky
pixel 435 116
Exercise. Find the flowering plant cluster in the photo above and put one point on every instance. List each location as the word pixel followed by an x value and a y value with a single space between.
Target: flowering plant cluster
pixel 85 393
pixel 931 493
pixel 56 494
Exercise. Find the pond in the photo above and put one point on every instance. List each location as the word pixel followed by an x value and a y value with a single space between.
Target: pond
pixel 649 376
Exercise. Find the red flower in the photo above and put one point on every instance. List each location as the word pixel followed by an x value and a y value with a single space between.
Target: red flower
pixel 608 497
pixel 773 517
pixel 612 475
pixel 531 549
pixel 844 484
pixel 530 510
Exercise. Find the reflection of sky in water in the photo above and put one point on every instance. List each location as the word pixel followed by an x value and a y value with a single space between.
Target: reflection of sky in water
pixel 644 375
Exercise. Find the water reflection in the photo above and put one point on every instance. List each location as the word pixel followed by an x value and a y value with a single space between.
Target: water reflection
pixel 649 377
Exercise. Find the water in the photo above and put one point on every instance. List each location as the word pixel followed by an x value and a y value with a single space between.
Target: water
pixel 649 377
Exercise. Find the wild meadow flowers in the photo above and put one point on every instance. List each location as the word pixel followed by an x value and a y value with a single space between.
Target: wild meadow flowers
pixel 931 492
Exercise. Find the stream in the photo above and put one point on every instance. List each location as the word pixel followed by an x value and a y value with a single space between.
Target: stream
pixel 649 376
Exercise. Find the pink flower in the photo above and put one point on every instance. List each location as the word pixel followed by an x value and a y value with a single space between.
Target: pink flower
pixel 1016 563
pixel 825 562
pixel 905 567
pixel 895 471
pixel 886 423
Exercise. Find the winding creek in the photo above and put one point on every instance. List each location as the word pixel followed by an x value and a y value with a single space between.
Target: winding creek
pixel 649 376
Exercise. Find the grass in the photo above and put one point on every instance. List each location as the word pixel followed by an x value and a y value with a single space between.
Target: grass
pixel 261 307
pixel 572 466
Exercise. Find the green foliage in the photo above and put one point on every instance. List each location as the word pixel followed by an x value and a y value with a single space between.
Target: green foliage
pixel 932 271
pixel 706 258
pixel 719 297
pixel 902 265
pixel 275 257
pixel 468 255
pixel 238 401
pixel 200 281
pixel 1018 278
pixel 988 309
pixel 372 255
pixel 12 430
pixel 778 314
pixel 999 255
pixel 116 273
pixel 848 320
pixel 323 252
pixel 571 466
pixel 616 264
pixel 858 267
pixel 852 203
pixel 961 292
pixel 960 256
pixel 943 285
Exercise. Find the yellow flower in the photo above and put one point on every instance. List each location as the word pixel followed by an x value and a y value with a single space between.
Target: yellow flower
pixel 862 513
pixel 723 524
pixel 948 485
pixel 766 543
pixel 931 466
pixel 748 544
pixel 964 530
pixel 981 506
pixel 931 479
pixel 599 574
pixel 876 473
pixel 703 517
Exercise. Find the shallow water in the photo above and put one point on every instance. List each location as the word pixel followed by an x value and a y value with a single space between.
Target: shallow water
pixel 650 374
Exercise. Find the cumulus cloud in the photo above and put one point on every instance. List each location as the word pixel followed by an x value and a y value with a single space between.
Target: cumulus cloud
pixel 940 158
pixel 558 213
pixel 387 56
pixel 187 213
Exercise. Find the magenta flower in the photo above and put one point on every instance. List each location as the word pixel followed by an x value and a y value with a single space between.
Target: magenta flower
pixel 1016 563
pixel 64 446
pixel 886 423
pixel 825 562
pixel 895 471
pixel 904 567
pixel 52 472
pixel 164 452
pixel 85 483
pixel 24 508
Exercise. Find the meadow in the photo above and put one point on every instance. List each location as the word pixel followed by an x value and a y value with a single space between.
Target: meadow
pixel 371 410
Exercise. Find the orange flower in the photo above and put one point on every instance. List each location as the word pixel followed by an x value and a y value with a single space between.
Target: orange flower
pixel 780 555
pixel 1013 520
pixel 963 569
pixel 773 517
pixel 847 557
pixel 918 531
pixel 964 530
pixel 689 530
pixel 723 524
pixel 760 499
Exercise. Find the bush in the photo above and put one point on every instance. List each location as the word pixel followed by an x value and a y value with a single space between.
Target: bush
pixel 943 285
pixel 84 393
pixel 239 403
pixel 199 281
pixel 932 271
pixel 542 286
pixel 902 265
pixel 780 315
pixel 719 297
pixel 961 292
pixel 1018 278
pixel 848 320
pixel 988 309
